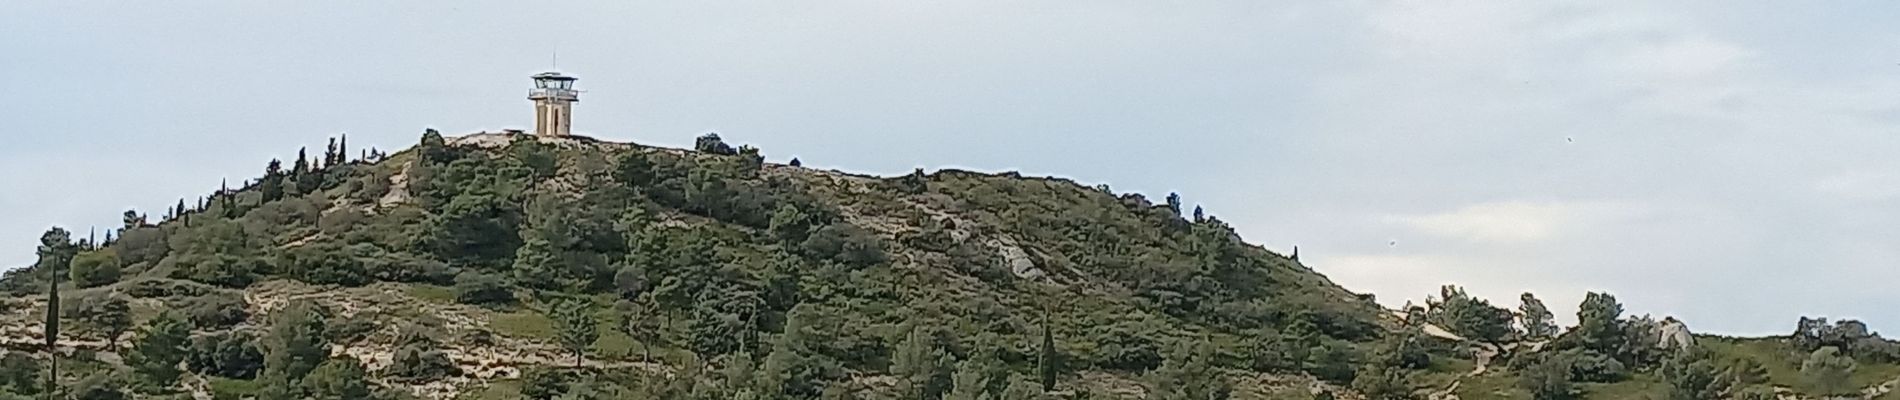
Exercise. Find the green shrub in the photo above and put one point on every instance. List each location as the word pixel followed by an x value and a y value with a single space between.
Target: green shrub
pixel 216 310
pixel 479 288
pixel 95 268
pixel 232 355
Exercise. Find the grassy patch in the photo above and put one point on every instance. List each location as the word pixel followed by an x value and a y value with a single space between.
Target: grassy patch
pixel 1440 373
pixel 1636 387
pixel 522 324
pixel 614 345
pixel 1777 357
pixel 1491 386
pixel 1784 363
pixel 143 312
pixel 227 388
pixel 497 390
pixel 432 293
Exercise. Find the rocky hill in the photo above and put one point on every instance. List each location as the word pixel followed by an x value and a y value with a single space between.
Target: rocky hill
pixel 491 243
pixel 504 266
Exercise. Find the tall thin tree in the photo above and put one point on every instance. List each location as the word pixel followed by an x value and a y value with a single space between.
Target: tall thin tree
pixel 1046 361
pixel 55 250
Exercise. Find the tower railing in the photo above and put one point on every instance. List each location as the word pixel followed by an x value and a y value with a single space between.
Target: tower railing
pixel 569 94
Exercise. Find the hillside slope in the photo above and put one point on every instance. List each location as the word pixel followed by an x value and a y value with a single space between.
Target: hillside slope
pixel 508 266
pixel 483 251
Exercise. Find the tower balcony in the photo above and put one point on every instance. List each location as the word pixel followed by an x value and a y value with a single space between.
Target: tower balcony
pixel 554 94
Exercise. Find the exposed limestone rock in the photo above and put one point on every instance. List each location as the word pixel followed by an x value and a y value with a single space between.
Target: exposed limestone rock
pixel 1018 259
pixel 398 188
pixel 1673 334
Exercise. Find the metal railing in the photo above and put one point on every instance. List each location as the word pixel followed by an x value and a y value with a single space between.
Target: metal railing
pixel 554 93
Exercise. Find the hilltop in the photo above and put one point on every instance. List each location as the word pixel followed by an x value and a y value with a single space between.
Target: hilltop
pixel 504 265
pixel 490 235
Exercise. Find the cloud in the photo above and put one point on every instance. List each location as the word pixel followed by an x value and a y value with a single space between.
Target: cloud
pixel 1515 222
pixel 1724 158
pixel 1859 186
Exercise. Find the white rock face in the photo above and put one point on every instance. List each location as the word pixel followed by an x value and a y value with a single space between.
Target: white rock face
pixel 1020 263
pixel 1673 334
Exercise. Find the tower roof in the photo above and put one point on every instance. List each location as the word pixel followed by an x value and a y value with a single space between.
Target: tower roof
pixel 553 76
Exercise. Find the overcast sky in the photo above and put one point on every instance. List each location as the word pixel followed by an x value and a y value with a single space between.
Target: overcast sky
pixel 1731 164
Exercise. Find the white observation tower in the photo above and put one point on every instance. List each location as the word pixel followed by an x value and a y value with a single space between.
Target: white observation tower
pixel 554 98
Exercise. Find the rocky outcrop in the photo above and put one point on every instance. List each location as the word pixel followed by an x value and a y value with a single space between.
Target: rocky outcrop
pixel 1673 334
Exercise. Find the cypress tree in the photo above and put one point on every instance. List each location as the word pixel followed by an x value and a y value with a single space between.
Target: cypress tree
pixel 303 163
pixel 55 250
pixel 1047 362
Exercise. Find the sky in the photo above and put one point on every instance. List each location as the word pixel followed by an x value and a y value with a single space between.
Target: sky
pixel 1727 163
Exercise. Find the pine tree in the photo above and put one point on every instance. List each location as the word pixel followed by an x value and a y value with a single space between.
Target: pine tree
pixel 578 328
pixel 972 378
pixel 302 165
pixel 329 154
pixel 641 320
pixel 1189 374
pixel 1535 317
pixel 1597 324
pixel 157 352
pixel 433 149
pixel 305 175
pixel 272 185
pixel 295 343
pixel 109 316
pixel 914 362
pixel 132 219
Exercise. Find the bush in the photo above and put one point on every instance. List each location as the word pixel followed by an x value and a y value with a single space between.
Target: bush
pixel 1827 370
pixel 232 355
pixel 711 144
pixel 543 383
pixel 157 288
pixel 1589 366
pixel 216 311
pixel 95 268
pixel 221 270
pixel 19 373
pixel 338 222
pixel 479 288
pixel 1548 379
pixel 846 244
pixel 141 245
pixel 417 356
pixel 105 315
pixel 156 353
pixel 98 386
pixel 399 267
pixel 326 263
pixel 337 379
pixel 351 329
